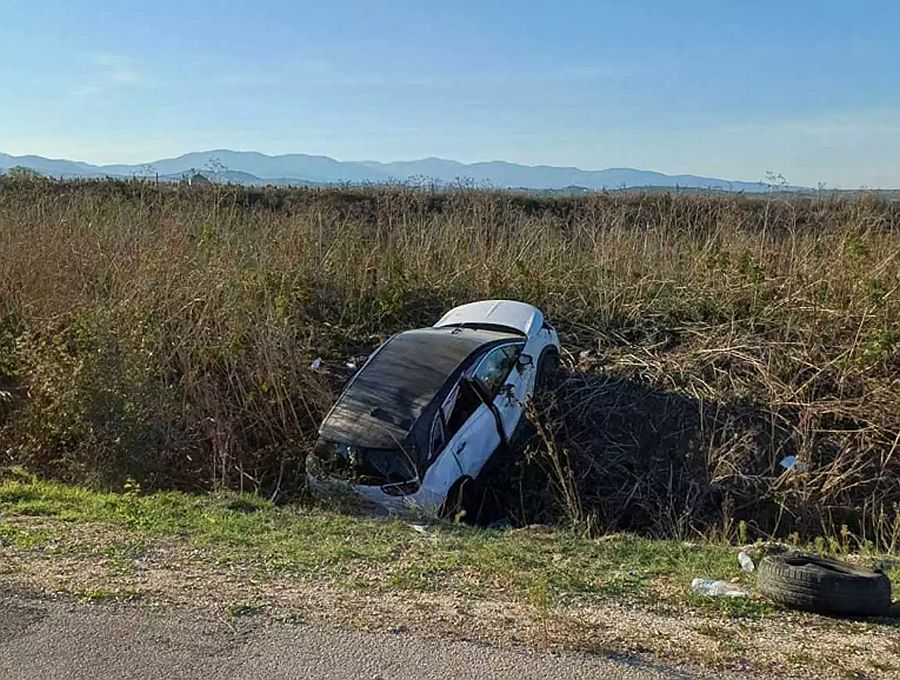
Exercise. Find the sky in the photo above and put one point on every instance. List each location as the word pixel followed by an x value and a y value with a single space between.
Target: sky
pixel 808 89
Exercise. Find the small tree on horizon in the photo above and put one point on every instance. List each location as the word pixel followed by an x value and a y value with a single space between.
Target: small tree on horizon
pixel 22 174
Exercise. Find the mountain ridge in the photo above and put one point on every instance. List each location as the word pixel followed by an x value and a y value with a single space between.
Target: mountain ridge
pixel 253 167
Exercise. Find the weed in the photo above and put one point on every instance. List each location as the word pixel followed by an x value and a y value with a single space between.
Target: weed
pixel 241 609
pixel 22 538
pixel 291 618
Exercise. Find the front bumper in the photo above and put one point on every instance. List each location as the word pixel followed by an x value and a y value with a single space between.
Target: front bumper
pixel 370 499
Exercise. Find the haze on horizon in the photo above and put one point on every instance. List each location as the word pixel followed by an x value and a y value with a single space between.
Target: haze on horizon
pixel 809 89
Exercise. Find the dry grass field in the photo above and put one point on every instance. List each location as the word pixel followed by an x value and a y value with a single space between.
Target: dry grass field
pixel 163 335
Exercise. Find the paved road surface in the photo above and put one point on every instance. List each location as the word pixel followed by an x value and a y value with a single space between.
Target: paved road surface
pixel 46 640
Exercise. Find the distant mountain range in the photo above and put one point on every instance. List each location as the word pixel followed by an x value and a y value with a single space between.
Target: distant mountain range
pixel 253 168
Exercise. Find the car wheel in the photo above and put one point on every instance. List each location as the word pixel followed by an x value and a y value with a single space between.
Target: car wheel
pixel 461 503
pixel 547 375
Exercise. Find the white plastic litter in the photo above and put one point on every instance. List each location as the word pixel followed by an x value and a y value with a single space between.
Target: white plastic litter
pixel 746 561
pixel 712 588
pixel 317 365
pixel 421 528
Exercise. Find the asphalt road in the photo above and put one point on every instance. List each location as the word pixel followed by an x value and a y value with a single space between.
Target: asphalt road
pixel 45 640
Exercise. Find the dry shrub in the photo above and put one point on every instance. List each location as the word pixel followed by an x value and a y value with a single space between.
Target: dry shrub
pixel 165 333
pixel 687 438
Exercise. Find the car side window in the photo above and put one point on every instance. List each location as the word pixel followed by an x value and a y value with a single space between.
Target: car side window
pixel 459 407
pixel 495 367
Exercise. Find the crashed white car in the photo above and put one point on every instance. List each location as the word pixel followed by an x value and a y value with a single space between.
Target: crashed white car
pixel 429 408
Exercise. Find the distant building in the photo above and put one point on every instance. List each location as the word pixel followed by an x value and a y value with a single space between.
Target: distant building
pixel 198 179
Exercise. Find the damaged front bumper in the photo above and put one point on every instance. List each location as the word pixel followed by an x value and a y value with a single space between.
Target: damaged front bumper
pixel 373 499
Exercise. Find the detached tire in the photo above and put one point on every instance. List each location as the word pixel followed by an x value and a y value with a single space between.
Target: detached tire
pixel 825 586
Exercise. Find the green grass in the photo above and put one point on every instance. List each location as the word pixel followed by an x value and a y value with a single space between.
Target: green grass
pixel 23 539
pixel 240 609
pixel 538 567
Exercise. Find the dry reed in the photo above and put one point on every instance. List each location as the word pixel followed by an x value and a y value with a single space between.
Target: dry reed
pixel 165 333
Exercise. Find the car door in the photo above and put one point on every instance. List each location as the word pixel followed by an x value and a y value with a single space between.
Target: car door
pixel 505 382
pixel 475 442
pixel 464 435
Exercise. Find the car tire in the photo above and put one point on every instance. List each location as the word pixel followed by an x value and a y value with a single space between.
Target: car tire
pixel 462 501
pixel 547 374
pixel 825 586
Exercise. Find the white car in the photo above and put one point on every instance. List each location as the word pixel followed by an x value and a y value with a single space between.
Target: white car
pixel 429 408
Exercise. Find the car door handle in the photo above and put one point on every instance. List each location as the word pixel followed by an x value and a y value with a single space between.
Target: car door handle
pixel 509 393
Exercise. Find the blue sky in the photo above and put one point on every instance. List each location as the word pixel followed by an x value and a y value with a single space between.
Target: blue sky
pixel 808 89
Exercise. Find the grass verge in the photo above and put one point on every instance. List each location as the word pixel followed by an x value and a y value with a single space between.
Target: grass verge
pixel 532 564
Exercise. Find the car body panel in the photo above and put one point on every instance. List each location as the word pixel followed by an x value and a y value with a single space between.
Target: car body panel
pixel 510 401
pixel 468 446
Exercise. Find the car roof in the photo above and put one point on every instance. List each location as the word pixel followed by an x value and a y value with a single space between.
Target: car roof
pixel 383 401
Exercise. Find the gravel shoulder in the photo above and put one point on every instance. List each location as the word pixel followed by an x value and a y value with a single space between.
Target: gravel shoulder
pixel 46 640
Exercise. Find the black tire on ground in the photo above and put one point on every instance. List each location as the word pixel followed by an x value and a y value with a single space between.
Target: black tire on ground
pixel 825 586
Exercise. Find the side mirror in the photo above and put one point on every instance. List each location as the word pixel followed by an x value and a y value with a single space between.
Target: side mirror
pixel 523 362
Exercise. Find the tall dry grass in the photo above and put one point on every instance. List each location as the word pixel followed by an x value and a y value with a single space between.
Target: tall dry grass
pixel 165 333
